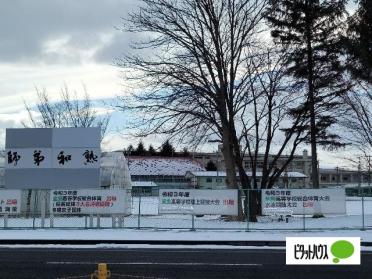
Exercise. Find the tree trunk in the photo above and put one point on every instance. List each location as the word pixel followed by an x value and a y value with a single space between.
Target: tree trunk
pixel 311 96
pixel 228 154
pixel 254 204
pixel 245 182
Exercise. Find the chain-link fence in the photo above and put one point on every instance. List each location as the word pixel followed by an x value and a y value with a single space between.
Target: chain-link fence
pixel 274 212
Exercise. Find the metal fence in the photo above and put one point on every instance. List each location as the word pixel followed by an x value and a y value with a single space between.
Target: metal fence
pixel 35 214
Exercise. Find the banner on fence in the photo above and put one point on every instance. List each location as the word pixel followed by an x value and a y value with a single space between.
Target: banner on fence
pixel 304 201
pixel 87 202
pixel 10 202
pixel 183 201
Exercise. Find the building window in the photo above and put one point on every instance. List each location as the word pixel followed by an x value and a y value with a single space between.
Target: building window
pixel 209 180
pixel 345 178
pixel 218 180
pixel 324 178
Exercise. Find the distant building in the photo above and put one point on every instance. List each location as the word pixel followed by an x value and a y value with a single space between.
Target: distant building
pixel 166 172
pixel 144 188
pixel 343 177
pixel 217 179
pixel 300 163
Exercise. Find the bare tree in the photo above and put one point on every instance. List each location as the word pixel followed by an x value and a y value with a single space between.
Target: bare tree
pixel 268 130
pixel 358 118
pixel 194 80
pixel 69 111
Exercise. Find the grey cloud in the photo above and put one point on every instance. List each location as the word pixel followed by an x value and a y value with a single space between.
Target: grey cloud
pixel 6 124
pixel 27 25
pixel 115 49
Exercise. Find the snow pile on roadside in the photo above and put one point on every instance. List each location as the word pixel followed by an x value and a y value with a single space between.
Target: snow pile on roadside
pixel 173 235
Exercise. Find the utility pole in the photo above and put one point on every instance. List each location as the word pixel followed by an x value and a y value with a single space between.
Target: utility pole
pixel 369 170
pixel 359 174
pixel 217 166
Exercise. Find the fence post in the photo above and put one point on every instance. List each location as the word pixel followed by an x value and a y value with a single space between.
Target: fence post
pixel 139 212
pixel 51 222
pixel 363 224
pixel 98 221
pixel 113 221
pixel 5 221
pixel 192 223
pixel 122 224
pixel 43 208
pixel 90 221
pixel 35 209
pixel 247 209
pixel 303 222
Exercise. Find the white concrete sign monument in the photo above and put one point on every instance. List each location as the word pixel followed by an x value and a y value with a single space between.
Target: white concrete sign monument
pixel 50 158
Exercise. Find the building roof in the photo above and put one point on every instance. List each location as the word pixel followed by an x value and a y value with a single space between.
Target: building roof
pixel 336 170
pixel 215 155
pixel 292 174
pixel 144 184
pixel 160 166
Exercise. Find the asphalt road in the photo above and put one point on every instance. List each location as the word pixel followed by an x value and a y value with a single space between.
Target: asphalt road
pixel 168 263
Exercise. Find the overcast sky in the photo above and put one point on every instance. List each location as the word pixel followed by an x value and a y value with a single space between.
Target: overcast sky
pixel 46 43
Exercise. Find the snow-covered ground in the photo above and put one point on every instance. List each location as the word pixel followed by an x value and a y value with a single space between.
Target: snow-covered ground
pixel 172 235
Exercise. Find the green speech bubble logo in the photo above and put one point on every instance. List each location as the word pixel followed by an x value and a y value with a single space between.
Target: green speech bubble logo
pixel 342 249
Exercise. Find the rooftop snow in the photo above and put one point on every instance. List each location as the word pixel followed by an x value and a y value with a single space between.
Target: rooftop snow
pixel 143 184
pixel 293 174
pixel 162 166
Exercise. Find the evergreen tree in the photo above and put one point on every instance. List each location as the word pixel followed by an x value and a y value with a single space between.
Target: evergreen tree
pixel 130 150
pixel 167 150
pixel 185 152
pixel 211 166
pixel 141 151
pixel 152 150
pixel 309 31
pixel 358 42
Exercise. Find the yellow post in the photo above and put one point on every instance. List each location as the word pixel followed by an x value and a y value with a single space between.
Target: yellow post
pixel 102 272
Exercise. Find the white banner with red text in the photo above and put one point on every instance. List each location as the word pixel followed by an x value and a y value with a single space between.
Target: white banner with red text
pixel 304 201
pixel 86 201
pixel 198 202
